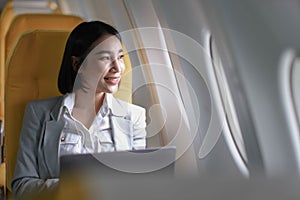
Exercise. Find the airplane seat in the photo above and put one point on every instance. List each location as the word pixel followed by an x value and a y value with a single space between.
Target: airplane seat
pixel 31 21
pixel 28 80
pixel 36 78
pixel 14 8
pixel 9 11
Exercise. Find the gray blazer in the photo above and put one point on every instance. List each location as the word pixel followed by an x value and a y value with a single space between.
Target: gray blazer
pixel 37 167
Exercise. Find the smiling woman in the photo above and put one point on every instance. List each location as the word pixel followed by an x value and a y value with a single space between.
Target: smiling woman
pixel 99 73
pixel 86 119
pixel 219 80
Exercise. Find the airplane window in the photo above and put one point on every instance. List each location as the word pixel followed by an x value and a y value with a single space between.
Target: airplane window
pixel 231 117
pixel 295 85
pixel 290 80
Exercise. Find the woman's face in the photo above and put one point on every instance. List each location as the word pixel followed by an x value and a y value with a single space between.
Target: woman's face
pixel 102 69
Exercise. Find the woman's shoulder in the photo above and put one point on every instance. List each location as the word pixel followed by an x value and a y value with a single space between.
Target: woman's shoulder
pixel 123 108
pixel 128 105
pixel 45 103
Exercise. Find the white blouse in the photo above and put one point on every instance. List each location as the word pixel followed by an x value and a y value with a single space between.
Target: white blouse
pixel 76 138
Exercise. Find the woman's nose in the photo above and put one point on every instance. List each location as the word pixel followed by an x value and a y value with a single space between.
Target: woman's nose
pixel 116 65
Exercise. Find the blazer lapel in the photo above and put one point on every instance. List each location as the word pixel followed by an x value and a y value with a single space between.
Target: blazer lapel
pixel 121 124
pixel 53 129
pixel 121 130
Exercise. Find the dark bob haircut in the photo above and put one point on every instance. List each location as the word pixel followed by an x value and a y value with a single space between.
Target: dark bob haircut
pixel 80 42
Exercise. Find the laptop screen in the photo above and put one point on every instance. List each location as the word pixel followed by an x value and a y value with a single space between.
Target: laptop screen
pixel 152 161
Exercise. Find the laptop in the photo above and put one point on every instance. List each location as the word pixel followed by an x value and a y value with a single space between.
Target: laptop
pixel 119 164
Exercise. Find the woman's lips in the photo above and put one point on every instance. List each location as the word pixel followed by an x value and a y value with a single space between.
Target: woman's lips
pixel 112 80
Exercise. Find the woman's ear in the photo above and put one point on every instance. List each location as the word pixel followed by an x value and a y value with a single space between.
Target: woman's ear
pixel 75 63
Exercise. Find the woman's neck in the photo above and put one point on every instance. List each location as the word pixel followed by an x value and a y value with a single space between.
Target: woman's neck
pixel 99 98
pixel 87 106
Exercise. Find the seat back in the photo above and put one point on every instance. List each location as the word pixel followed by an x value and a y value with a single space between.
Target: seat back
pixel 9 11
pixel 32 21
pixel 32 71
pixel 14 8
pixel 29 21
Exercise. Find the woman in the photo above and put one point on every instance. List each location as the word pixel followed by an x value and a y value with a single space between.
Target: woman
pixel 87 118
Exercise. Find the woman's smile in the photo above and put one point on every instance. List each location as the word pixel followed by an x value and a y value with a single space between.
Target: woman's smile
pixel 112 80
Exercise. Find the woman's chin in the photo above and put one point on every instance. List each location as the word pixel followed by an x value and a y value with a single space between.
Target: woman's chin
pixel 113 90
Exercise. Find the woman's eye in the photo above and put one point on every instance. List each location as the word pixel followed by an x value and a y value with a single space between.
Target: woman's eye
pixel 121 57
pixel 105 58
